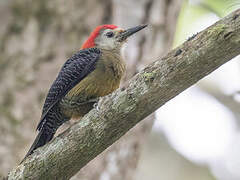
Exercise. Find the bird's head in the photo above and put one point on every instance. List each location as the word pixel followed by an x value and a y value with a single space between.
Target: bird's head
pixel 109 37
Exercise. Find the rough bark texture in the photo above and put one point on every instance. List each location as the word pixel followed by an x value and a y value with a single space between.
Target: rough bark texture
pixel 37 37
pixel 147 91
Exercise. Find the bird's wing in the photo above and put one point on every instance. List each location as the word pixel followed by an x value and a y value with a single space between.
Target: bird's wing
pixel 73 71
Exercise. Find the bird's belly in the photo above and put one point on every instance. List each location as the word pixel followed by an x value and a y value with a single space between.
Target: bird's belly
pixel 96 84
pixel 74 108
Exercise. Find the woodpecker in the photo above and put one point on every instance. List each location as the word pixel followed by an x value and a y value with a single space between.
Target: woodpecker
pixel 93 72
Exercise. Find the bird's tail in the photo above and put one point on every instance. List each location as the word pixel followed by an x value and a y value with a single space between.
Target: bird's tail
pixel 42 138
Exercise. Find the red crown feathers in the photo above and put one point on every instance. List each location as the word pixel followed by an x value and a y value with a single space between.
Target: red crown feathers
pixel 90 41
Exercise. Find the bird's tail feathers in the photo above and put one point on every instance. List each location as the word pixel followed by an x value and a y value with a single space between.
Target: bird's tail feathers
pixel 42 138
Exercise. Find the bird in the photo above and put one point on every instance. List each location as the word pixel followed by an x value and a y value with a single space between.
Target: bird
pixel 92 72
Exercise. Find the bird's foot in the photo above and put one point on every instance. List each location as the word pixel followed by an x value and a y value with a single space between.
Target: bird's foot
pixel 98 104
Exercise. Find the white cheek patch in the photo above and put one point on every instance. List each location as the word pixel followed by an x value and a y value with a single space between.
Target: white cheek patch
pixel 107 43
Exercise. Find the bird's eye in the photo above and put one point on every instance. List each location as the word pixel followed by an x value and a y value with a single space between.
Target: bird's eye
pixel 109 34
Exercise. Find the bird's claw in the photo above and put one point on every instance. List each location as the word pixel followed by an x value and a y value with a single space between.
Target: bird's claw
pixel 98 104
pixel 96 100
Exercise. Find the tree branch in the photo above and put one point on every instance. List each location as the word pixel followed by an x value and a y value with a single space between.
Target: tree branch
pixel 123 109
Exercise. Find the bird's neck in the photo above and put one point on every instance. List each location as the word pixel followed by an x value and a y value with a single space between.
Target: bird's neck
pixel 114 56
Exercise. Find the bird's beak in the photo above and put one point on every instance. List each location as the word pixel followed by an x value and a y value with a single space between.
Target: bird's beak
pixel 127 33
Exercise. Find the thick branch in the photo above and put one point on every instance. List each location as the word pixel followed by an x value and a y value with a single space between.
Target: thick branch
pixel 120 111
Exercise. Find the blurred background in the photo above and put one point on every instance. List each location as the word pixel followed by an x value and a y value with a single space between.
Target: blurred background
pixel 195 136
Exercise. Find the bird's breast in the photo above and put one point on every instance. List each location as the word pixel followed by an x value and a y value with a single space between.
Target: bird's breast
pixel 103 80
